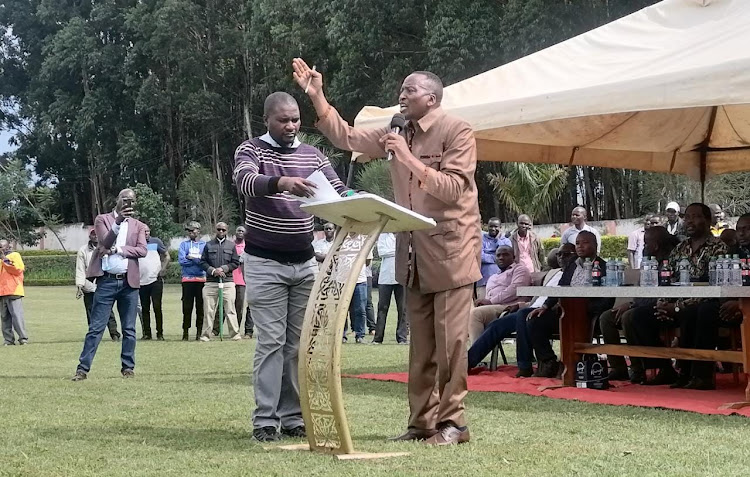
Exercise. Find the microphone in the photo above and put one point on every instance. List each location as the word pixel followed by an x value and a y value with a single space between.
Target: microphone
pixel 398 122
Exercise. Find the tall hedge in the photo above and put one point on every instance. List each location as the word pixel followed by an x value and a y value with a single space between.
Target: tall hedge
pixel 60 270
pixel 613 246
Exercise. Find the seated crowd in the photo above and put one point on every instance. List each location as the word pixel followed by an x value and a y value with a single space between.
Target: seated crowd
pixel 696 238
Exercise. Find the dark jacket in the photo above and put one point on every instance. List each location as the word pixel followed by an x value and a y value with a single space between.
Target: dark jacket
pixel 219 255
pixel 596 306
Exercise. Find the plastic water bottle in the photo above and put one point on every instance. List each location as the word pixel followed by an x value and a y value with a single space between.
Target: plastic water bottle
pixel 684 270
pixel 736 274
pixel 648 271
pixel 745 272
pixel 587 268
pixel 712 270
pixel 105 263
pixel 596 274
pixel 720 271
pixel 611 279
pixel 620 272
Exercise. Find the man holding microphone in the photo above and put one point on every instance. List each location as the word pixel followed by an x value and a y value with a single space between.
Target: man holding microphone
pixel 433 174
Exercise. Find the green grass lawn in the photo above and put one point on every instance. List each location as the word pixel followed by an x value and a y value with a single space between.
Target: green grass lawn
pixel 187 413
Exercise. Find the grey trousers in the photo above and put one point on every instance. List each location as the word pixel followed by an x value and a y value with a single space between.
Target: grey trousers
pixel 277 298
pixel 11 315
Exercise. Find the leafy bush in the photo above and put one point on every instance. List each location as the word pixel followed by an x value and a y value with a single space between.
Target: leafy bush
pixel 40 253
pixel 60 270
pixel 614 246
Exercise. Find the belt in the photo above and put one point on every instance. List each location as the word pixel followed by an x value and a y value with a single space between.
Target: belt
pixel 116 276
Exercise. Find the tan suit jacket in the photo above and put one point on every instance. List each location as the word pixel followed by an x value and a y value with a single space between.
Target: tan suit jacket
pixel 134 248
pixel 447 256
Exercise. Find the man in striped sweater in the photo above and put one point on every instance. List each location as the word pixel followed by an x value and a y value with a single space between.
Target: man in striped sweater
pixel 279 259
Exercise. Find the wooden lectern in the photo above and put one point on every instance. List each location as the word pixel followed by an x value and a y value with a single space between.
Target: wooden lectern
pixel 327 310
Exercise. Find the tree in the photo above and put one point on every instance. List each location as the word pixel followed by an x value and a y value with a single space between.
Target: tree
pixel 375 177
pixel 204 200
pixel 529 188
pixel 23 208
pixel 153 211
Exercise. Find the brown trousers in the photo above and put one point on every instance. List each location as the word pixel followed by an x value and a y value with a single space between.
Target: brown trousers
pixel 439 324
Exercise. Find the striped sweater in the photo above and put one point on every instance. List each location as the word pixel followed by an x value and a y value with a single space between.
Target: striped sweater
pixel 277 228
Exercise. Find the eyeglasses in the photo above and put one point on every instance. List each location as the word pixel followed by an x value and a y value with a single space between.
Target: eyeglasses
pixel 221 230
pixel 331 229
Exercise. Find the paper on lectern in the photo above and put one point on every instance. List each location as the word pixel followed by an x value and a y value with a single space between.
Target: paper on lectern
pixel 324 190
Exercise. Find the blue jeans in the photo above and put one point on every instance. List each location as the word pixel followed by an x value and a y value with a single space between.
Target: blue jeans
pixel 500 329
pixel 358 310
pixel 109 291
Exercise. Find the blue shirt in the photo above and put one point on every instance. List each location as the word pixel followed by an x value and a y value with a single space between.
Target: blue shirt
pixel 191 268
pixel 489 247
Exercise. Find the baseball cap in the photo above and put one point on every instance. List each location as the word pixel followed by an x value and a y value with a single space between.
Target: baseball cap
pixel 674 206
pixel 192 225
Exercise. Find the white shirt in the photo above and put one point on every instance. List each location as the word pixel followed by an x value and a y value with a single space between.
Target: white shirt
pixel 322 246
pixel 571 233
pixel 387 252
pixel 636 243
pixel 117 263
pixel 553 282
pixel 271 142
pixel 347 254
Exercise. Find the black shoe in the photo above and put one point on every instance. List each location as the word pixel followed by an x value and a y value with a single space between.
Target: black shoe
pixel 248 336
pixel 637 376
pixel 160 337
pixel 547 369
pixel 294 433
pixel 700 384
pixel 618 375
pixel 185 335
pixel 80 376
pixel 524 373
pixel 680 382
pixel 665 376
pixel 197 337
pixel 266 434
pixel 145 337
pixel 128 373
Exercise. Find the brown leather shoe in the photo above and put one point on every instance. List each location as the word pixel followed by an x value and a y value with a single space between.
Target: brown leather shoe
pixel 449 435
pixel 413 434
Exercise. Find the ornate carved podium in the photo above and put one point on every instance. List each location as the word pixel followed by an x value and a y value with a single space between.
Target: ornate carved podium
pixel 327 310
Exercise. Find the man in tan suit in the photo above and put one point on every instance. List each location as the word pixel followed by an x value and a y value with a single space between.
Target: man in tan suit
pixel 114 266
pixel 433 174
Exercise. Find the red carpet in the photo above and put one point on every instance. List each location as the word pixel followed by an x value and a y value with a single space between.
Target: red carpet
pixel 620 394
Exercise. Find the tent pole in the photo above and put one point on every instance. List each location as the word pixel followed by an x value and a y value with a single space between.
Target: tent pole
pixel 703 176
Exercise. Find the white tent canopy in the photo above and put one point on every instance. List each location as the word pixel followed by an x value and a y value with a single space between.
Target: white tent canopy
pixel 665 89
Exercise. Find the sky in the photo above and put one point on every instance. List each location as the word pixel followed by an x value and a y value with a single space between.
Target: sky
pixel 4 137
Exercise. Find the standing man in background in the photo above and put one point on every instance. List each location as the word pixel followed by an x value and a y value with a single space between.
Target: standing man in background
pixel 85 288
pixel 387 286
pixel 491 240
pixel 238 275
pixel 122 241
pixel 323 245
pixel 578 218
pixel 193 279
pixel 432 170
pixel 153 267
pixel 527 247
pixel 11 294
pixel 219 260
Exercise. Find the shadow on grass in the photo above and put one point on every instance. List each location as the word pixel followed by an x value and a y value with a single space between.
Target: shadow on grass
pixel 177 438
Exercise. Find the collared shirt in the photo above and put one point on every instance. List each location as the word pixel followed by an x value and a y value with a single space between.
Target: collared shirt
pixel 524 252
pixel 117 263
pixel 698 259
pixel 571 233
pixel 553 282
pixel 580 277
pixel 238 274
pixel 489 247
pixel 272 142
pixel 636 242
pixel 444 189
pixel 675 228
pixel 150 265
pixel 502 286
pixel 83 258
pixel 387 252
pixel 717 229
pixel 322 246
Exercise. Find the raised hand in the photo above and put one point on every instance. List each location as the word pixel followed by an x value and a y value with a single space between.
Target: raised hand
pixel 307 78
